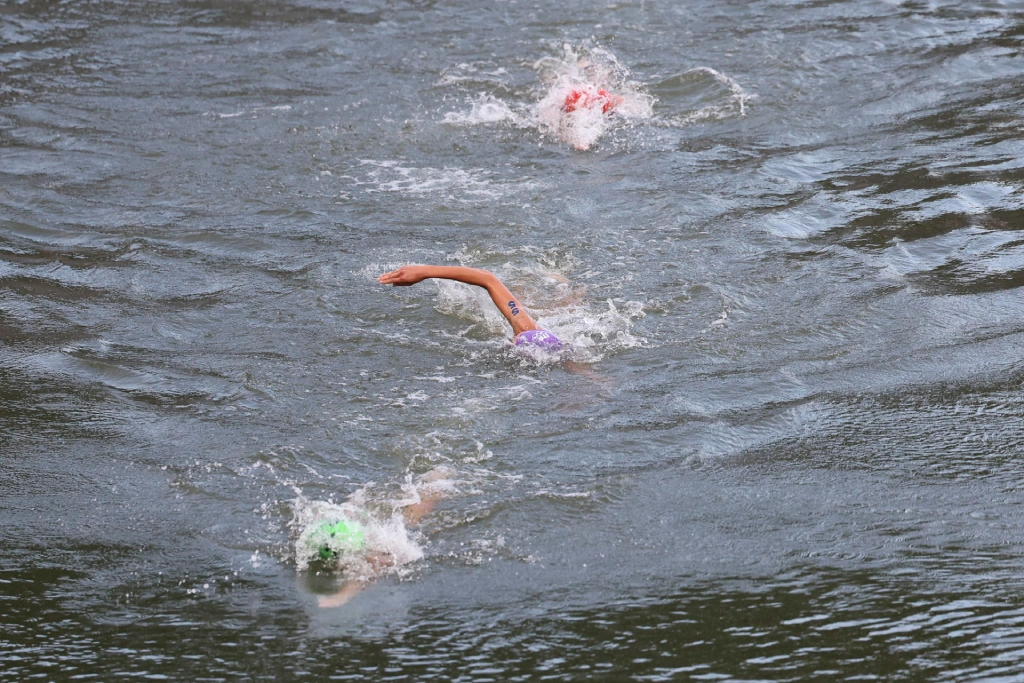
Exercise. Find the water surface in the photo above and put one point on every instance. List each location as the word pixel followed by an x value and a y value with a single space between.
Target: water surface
pixel 794 283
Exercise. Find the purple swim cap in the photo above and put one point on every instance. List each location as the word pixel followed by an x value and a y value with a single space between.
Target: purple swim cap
pixel 540 338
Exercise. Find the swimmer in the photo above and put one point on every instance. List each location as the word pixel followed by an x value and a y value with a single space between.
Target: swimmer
pixel 523 327
pixel 591 98
pixel 343 539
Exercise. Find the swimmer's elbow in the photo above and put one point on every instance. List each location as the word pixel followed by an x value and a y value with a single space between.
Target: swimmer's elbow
pixel 489 281
pixel 471 276
pixel 487 278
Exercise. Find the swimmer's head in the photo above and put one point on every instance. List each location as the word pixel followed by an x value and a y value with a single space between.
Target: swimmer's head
pixel 334 538
pixel 541 339
pixel 590 98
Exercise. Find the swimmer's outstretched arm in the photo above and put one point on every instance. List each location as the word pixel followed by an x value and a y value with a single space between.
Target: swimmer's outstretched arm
pixel 507 303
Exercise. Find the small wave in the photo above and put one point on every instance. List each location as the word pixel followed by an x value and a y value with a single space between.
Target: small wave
pixel 247 112
pixel 391 176
pixel 702 93
pixel 451 184
pixel 465 73
pixel 485 109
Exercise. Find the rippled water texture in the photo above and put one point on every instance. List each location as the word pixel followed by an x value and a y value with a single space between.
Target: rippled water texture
pixel 787 445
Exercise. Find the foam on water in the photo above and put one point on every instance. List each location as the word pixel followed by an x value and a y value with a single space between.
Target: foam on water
pixel 591 331
pixel 393 176
pixel 448 184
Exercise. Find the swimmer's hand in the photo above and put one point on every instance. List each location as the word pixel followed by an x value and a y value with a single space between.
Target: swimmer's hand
pixel 406 276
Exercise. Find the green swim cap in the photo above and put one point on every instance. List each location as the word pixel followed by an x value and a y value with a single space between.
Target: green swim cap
pixel 339 536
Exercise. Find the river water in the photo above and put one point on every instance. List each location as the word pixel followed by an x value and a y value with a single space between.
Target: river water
pixel 787 444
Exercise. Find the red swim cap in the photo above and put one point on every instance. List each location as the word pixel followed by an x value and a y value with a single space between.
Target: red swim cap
pixel 584 99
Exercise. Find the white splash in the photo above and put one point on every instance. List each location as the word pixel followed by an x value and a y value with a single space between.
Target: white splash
pixel 381 514
pixel 589 330
pixel 587 93
pixel 384 537
pixel 472 304
pixel 485 109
